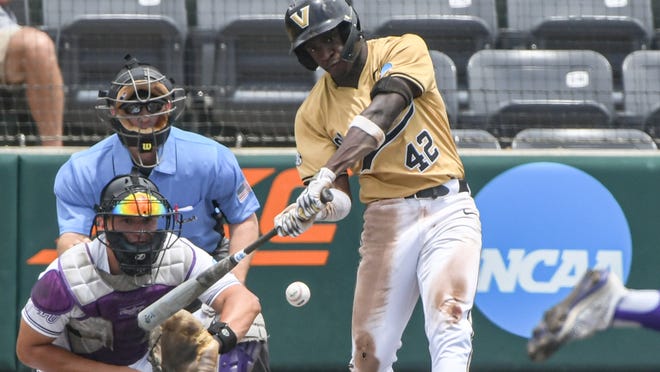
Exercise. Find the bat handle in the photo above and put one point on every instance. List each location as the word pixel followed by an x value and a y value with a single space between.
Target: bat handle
pixel 326 195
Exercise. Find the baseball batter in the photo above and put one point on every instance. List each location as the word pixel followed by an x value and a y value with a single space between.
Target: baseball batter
pixel 378 112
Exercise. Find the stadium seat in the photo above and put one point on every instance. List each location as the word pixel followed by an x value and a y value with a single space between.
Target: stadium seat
pixel 21 9
pixel 613 28
pixel 57 13
pixel 445 78
pixel 257 85
pixel 17 127
pixel 264 85
pixel 589 138
pixel 456 28
pixel 215 15
pixel 641 91
pixel 510 90
pixel 475 139
pixel 94 36
pixel 212 16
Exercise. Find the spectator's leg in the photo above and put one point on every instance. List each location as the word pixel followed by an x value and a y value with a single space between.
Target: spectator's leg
pixel 31 59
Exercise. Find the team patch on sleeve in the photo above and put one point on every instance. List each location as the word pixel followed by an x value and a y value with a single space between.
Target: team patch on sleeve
pixel 243 191
pixel 386 67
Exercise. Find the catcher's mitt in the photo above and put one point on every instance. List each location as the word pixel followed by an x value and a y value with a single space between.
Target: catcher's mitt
pixel 182 344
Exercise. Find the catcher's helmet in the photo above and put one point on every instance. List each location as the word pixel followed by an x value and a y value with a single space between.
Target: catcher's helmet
pixel 137 86
pixel 306 19
pixel 135 196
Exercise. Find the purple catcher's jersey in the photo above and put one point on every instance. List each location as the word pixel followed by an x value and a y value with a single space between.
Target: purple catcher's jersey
pixel 94 314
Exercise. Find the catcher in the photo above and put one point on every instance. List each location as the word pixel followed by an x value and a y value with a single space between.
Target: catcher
pixel 82 311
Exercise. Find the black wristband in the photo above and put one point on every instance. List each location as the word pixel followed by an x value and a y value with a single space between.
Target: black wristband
pixel 224 334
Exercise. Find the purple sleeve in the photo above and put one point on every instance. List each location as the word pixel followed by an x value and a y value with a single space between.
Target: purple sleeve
pixel 51 295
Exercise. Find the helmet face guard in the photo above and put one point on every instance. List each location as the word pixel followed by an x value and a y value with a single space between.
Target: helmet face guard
pixel 306 19
pixel 135 259
pixel 134 219
pixel 141 91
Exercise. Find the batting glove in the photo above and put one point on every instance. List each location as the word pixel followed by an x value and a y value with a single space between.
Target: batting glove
pixel 287 222
pixel 309 202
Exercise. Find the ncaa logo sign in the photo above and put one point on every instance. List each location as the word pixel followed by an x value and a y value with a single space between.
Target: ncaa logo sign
pixel 544 224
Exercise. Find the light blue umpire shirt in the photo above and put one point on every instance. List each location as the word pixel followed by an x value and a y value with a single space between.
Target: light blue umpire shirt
pixel 193 171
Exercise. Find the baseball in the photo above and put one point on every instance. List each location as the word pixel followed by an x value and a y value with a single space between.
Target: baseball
pixel 297 293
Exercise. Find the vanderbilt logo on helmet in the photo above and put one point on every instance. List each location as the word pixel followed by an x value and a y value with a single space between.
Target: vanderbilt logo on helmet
pixel 301 17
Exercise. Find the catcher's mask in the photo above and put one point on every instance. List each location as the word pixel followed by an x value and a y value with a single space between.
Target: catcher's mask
pixel 139 91
pixel 306 19
pixel 133 220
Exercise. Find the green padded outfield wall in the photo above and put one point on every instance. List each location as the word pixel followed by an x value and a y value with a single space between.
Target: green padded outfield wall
pixel 547 217
pixel 37 212
pixel 8 259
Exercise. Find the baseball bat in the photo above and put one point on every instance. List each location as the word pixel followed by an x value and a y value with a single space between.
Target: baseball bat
pixel 186 292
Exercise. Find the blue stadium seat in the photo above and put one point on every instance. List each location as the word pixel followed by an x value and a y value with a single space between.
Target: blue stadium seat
pixel 510 90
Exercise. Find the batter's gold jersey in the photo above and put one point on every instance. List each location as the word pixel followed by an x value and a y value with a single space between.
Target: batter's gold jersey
pixel 419 151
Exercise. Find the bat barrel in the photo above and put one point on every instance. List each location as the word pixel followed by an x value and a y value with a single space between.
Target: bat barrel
pixel 217 271
pixel 175 300
pixel 182 295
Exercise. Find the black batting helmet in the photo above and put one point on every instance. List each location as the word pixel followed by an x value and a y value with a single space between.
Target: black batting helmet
pixel 306 19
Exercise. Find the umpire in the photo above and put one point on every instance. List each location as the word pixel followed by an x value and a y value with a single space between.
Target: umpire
pixel 190 170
